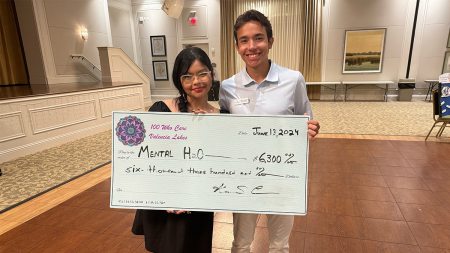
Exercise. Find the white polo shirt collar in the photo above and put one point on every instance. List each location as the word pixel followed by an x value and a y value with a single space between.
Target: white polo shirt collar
pixel 272 76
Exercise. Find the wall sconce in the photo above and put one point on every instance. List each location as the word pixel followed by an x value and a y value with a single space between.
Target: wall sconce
pixel 84 33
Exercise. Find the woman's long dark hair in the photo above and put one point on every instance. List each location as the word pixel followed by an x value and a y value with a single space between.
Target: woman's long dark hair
pixel 183 62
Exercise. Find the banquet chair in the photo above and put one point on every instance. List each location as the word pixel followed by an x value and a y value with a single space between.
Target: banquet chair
pixel 438 121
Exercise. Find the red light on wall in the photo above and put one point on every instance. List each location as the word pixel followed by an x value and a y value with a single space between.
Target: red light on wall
pixel 192 19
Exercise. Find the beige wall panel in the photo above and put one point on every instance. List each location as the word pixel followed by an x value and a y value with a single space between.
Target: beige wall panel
pixel 58 116
pixel 12 126
pixel 130 102
pixel 52 120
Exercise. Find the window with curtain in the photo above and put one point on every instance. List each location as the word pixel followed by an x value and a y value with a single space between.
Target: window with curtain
pixel 296 28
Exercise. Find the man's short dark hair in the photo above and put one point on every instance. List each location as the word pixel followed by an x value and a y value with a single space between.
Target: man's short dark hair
pixel 252 15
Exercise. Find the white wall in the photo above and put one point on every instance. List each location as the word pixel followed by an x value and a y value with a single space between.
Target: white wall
pixel 213 30
pixel 59 23
pixel 431 39
pixel 341 15
pixel 122 28
pixel 397 16
pixel 64 19
pixel 156 22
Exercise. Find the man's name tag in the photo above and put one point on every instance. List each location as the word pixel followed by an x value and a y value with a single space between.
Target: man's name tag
pixel 242 101
pixel 210 162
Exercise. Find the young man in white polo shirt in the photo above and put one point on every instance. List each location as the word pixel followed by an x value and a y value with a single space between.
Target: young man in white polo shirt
pixel 263 87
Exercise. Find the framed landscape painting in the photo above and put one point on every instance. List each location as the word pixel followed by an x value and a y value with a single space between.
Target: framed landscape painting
pixel 363 51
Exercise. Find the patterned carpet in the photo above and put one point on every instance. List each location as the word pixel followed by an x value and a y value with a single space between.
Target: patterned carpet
pixel 375 118
pixel 28 176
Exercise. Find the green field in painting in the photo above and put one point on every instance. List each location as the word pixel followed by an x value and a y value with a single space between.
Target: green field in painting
pixel 362 63
pixel 366 66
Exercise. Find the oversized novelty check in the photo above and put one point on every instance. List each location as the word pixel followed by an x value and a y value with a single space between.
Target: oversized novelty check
pixel 210 162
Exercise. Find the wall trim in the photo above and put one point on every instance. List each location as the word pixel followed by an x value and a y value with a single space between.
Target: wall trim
pixel 104 115
pixel 34 111
pixel 76 93
pixel 108 22
pixel 18 135
pixel 127 7
pixel 44 37
pixel 145 2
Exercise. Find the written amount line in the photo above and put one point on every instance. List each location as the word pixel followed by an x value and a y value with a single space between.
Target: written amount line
pixel 228 157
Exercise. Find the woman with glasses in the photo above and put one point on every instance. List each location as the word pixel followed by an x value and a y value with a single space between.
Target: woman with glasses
pixel 180 231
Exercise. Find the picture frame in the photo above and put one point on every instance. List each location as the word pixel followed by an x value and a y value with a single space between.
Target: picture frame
pixel 158 45
pixel 363 50
pixel 446 64
pixel 448 39
pixel 160 71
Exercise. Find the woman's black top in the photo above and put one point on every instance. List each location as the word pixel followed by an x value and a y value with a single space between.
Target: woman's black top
pixel 174 233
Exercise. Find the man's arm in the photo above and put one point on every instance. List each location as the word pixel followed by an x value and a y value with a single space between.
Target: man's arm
pixel 302 104
pixel 301 101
